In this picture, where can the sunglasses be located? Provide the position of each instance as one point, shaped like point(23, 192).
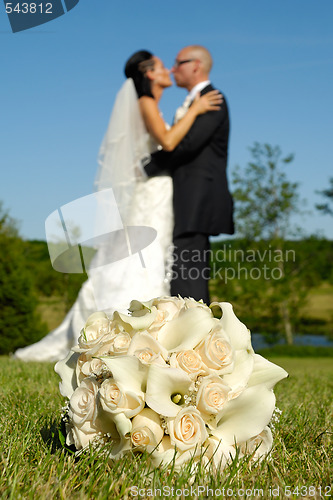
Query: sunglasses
point(179, 63)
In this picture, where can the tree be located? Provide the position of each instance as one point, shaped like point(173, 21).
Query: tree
point(19, 323)
point(265, 202)
point(265, 199)
point(327, 193)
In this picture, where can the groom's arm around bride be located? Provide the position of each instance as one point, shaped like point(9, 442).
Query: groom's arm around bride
point(202, 203)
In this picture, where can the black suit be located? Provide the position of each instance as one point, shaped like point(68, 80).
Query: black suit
point(202, 203)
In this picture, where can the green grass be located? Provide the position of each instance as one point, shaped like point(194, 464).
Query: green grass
point(320, 302)
point(33, 464)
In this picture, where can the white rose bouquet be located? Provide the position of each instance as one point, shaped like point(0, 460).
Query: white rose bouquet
point(171, 379)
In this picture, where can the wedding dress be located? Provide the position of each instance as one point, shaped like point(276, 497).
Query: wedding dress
point(141, 202)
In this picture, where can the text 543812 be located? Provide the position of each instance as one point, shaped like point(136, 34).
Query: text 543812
point(28, 8)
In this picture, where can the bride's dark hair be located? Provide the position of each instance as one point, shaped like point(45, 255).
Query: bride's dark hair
point(136, 68)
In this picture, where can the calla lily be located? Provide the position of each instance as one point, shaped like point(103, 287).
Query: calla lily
point(239, 335)
point(238, 379)
point(119, 447)
point(128, 372)
point(187, 330)
point(66, 369)
point(265, 372)
point(142, 322)
point(245, 416)
point(137, 305)
point(163, 384)
point(123, 424)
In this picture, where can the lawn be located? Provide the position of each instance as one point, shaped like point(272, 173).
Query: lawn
point(33, 464)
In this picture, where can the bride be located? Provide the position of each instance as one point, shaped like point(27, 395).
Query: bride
point(136, 129)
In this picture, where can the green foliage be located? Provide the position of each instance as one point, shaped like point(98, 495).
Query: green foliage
point(34, 464)
point(327, 208)
point(297, 351)
point(264, 198)
point(47, 281)
point(265, 202)
point(265, 280)
point(19, 323)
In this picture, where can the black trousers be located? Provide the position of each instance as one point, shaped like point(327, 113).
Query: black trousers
point(191, 269)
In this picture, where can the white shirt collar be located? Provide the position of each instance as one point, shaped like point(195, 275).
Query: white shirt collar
point(198, 88)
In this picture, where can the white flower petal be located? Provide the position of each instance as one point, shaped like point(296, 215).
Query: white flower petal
point(219, 453)
point(265, 372)
point(123, 424)
point(259, 445)
point(239, 335)
point(142, 340)
point(187, 330)
point(245, 416)
point(137, 305)
point(238, 378)
point(66, 369)
point(97, 318)
point(128, 372)
point(162, 383)
point(142, 322)
point(164, 454)
point(149, 419)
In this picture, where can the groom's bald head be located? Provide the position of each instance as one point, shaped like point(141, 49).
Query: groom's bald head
point(203, 55)
point(192, 65)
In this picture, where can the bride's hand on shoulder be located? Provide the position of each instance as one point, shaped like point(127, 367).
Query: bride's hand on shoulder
point(211, 101)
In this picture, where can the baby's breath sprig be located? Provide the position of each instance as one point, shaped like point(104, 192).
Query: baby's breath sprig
point(275, 418)
point(164, 424)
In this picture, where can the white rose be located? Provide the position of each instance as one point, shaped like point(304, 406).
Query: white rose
point(147, 356)
point(83, 414)
point(259, 445)
point(216, 352)
point(115, 400)
point(147, 349)
point(187, 430)
point(100, 319)
point(218, 453)
point(189, 361)
point(170, 306)
point(147, 432)
point(96, 328)
point(211, 397)
point(112, 344)
point(120, 343)
point(87, 365)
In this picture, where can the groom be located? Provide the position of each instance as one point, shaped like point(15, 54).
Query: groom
point(202, 203)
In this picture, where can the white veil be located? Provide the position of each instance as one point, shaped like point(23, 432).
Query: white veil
point(124, 149)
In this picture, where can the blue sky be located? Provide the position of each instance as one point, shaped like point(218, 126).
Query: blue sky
point(273, 61)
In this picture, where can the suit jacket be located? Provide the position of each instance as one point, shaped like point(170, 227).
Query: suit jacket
point(201, 200)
